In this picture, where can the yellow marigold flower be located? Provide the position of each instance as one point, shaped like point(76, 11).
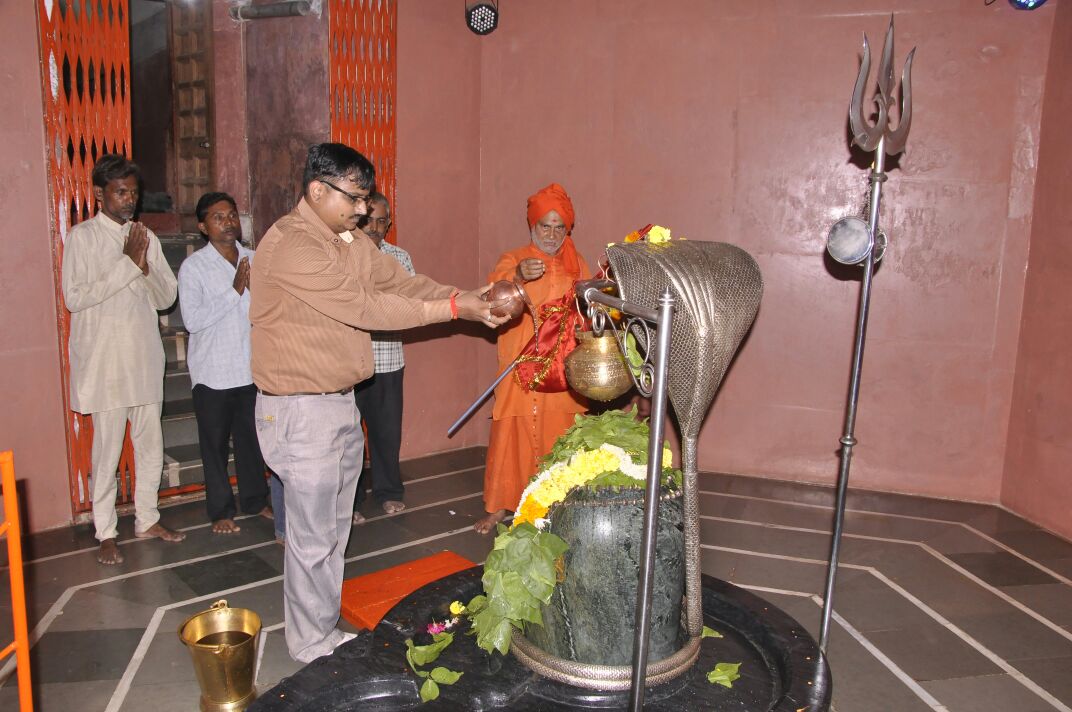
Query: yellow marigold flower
point(548, 494)
point(658, 234)
point(457, 608)
point(593, 462)
point(668, 458)
point(529, 511)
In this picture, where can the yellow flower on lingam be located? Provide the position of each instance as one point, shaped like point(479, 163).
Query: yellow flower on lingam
point(658, 234)
point(554, 483)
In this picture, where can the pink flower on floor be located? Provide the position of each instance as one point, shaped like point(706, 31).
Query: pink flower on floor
point(434, 627)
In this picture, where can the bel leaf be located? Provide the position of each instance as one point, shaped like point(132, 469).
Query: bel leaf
point(444, 676)
point(553, 543)
point(429, 690)
point(724, 674)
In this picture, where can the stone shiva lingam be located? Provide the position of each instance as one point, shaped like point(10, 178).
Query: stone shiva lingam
point(717, 289)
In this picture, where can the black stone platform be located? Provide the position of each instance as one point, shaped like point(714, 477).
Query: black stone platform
point(781, 669)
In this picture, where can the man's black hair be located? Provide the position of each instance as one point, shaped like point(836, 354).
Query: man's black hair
point(207, 200)
point(337, 161)
point(114, 166)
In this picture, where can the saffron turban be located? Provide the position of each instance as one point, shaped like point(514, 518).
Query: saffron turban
point(553, 197)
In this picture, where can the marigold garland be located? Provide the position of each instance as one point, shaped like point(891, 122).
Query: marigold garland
point(553, 483)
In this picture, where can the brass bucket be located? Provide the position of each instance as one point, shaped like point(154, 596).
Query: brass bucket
point(223, 645)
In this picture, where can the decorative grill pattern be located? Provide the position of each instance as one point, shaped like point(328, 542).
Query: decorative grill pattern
point(85, 67)
point(363, 35)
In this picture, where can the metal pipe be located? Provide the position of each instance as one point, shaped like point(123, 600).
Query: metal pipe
point(287, 8)
point(878, 177)
point(591, 294)
point(651, 497)
point(491, 389)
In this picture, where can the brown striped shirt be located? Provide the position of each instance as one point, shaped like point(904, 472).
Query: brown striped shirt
point(315, 297)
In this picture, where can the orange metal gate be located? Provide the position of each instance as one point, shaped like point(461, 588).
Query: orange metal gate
point(85, 68)
point(363, 35)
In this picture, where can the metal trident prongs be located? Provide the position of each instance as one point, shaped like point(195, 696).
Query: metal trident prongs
point(865, 134)
point(856, 245)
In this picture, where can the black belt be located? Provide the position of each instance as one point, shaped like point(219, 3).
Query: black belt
point(343, 392)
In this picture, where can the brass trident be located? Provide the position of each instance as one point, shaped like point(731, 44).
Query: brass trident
point(865, 134)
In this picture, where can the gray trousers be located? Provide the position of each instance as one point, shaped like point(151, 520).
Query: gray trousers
point(314, 444)
point(109, 427)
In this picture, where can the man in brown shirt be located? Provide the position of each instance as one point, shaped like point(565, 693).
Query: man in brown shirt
point(317, 289)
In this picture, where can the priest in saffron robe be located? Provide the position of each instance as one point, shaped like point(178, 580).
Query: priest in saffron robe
point(525, 423)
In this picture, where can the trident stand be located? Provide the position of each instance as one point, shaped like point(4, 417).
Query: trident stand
point(883, 140)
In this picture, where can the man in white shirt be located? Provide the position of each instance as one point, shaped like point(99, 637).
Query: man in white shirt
point(115, 278)
point(214, 297)
point(379, 399)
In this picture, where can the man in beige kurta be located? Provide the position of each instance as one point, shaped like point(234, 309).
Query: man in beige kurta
point(115, 278)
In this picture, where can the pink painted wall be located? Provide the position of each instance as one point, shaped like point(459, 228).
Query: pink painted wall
point(31, 414)
point(1039, 451)
point(724, 121)
point(437, 213)
point(727, 121)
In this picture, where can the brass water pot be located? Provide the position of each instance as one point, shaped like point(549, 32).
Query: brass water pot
point(596, 368)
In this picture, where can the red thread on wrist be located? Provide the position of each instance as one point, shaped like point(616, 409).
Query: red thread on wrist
point(453, 306)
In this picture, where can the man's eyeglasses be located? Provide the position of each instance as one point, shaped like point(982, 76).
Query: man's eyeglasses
point(558, 230)
point(354, 198)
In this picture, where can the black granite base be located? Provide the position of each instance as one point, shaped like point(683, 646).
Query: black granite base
point(781, 669)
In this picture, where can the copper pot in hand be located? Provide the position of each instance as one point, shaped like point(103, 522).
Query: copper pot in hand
point(507, 289)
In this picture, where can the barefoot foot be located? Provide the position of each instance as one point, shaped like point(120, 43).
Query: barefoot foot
point(225, 526)
point(108, 553)
point(487, 524)
point(267, 513)
point(159, 531)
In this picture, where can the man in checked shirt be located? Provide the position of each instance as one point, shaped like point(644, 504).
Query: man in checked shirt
point(380, 398)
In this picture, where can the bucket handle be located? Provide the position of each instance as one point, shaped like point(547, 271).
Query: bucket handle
point(222, 648)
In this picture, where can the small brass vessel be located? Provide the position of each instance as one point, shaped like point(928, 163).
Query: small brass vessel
point(596, 368)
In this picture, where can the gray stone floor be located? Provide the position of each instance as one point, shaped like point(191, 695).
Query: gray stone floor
point(939, 605)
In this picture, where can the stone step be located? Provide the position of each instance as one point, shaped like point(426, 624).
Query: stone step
point(177, 248)
point(178, 423)
point(174, 346)
point(182, 465)
point(177, 384)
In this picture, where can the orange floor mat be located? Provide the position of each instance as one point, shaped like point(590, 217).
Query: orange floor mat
point(366, 599)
